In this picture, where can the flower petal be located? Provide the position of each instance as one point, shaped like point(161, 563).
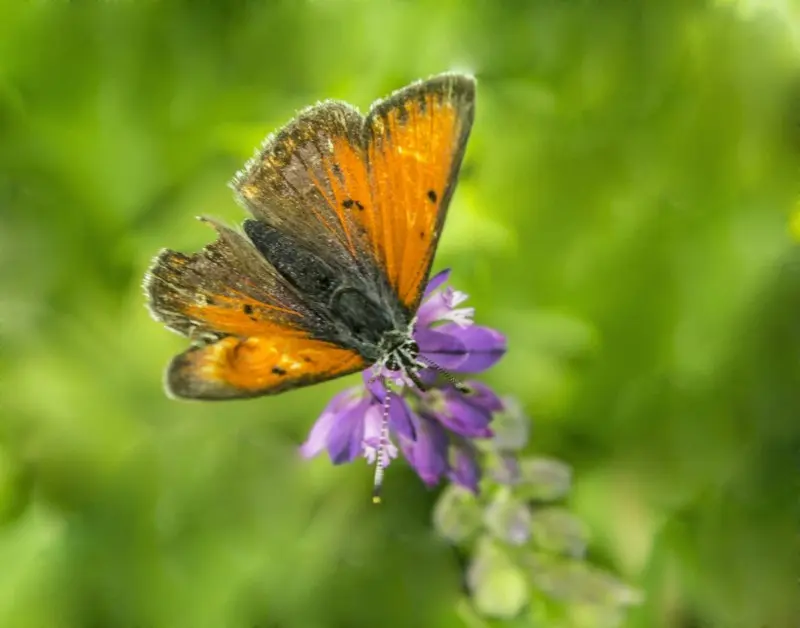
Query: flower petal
point(483, 396)
point(399, 412)
point(427, 376)
point(373, 420)
point(400, 418)
point(465, 418)
point(374, 384)
point(318, 437)
point(454, 297)
point(345, 439)
point(436, 281)
point(465, 470)
point(400, 422)
point(484, 346)
point(433, 309)
point(445, 350)
point(428, 454)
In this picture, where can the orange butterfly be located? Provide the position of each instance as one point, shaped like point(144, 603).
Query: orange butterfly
point(326, 277)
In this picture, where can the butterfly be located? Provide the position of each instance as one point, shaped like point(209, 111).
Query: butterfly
point(325, 276)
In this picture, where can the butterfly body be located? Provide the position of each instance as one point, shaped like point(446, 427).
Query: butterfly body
point(351, 313)
point(326, 276)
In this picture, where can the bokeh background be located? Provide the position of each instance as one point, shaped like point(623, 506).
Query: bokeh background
point(624, 215)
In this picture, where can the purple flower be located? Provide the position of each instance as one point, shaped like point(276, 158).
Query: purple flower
point(433, 428)
point(464, 467)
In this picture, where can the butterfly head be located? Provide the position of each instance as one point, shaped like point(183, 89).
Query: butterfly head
point(400, 351)
point(401, 354)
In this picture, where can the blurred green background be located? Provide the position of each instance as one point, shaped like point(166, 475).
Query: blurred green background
point(624, 216)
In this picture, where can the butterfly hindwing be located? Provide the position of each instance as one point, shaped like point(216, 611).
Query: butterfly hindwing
point(256, 334)
point(236, 368)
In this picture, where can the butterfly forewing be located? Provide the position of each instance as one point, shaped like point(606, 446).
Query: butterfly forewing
point(310, 181)
point(415, 144)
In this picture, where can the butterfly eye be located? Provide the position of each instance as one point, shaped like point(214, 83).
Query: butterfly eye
point(392, 364)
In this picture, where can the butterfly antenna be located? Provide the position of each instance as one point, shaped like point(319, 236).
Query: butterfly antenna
point(383, 440)
point(460, 386)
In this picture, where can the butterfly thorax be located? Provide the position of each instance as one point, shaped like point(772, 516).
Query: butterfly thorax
point(400, 351)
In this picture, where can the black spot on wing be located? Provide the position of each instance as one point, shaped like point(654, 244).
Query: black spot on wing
point(349, 203)
point(432, 196)
point(248, 310)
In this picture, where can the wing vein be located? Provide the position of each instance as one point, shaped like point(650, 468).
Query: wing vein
point(316, 213)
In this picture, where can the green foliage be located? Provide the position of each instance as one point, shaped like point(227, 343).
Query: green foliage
point(623, 216)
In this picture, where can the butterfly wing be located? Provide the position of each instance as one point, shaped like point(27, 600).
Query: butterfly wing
point(256, 336)
point(310, 182)
point(370, 195)
point(239, 368)
point(415, 142)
